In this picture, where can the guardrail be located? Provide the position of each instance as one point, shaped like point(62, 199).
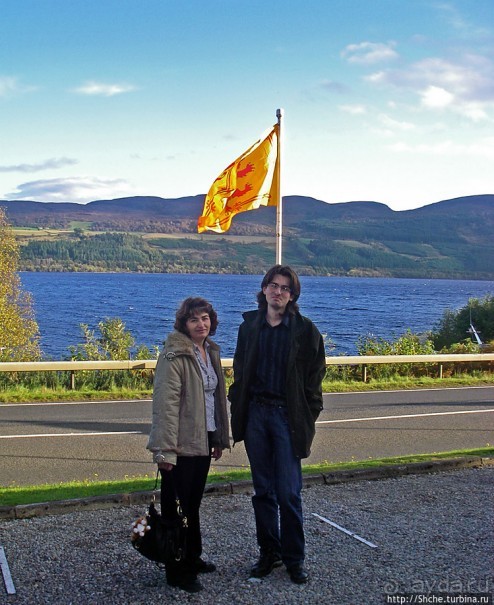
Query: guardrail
point(149, 364)
point(439, 359)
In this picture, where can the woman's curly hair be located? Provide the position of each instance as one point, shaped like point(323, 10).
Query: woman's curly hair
point(192, 306)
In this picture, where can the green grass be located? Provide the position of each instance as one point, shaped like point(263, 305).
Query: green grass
point(405, 383)
point(13, 495)
point(22, 394)
point(32, 494)
point(80, 225)
point(44, 394)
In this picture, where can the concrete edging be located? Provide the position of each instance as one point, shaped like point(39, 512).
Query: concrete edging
point(60, 507)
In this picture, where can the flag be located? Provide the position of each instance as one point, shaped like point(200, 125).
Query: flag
point(249, 182)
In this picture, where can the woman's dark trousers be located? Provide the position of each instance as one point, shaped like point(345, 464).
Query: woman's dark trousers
point(188, 478)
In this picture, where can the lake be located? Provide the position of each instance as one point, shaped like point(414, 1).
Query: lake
point(343, 308)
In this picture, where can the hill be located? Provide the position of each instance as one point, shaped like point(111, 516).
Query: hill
point(448, 239)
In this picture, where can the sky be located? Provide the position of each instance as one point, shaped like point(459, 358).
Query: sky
point(384, 100)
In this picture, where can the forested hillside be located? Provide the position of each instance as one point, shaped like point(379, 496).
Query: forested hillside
point(449, 239)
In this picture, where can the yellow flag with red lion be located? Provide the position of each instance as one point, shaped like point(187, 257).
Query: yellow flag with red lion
point(247, 183)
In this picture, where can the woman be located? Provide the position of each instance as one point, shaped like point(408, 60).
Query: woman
point(190, 425)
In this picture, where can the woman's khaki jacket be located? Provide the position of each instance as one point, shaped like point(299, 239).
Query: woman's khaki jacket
point(179, 407)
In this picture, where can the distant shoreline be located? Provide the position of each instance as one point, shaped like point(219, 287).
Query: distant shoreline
point(451, 239)
point(301, 274)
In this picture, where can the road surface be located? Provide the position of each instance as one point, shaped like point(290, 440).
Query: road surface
point(51, 443)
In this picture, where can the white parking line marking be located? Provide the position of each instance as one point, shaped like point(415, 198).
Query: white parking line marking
point(71, 434)
point(52, 403)
point(346, 531)
point(7, 578)
point(404, 416)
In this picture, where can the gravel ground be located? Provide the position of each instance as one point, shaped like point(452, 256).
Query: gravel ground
point(434, 534)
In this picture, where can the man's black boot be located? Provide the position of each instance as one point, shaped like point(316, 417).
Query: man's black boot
point(267, 562)
point(298, 574)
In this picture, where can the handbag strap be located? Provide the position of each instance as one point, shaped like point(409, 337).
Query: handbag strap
point(157, 479)
point(155, 488)
point(174, 488)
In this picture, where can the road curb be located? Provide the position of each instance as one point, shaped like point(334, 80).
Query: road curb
point(60, 507)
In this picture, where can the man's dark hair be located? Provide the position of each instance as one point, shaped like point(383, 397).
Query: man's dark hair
point(286, 271)
point(192, 306)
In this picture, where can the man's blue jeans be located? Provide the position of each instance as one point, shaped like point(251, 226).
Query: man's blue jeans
point(277, 477)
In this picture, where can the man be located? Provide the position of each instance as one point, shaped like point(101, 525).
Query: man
point(276, 397)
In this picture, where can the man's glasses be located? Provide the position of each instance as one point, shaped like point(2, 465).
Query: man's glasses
point(273, 286)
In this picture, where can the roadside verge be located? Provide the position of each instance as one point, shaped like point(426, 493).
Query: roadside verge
point(59, 507)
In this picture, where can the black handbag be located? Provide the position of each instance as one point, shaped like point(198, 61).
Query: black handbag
point(158, 538)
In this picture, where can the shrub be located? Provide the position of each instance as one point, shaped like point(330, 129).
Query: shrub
point(455, 325)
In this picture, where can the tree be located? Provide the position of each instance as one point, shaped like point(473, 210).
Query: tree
point(454, 327)
point(19, 333)
point(115, 342)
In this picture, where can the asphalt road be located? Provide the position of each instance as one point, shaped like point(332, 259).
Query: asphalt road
point(51, 443)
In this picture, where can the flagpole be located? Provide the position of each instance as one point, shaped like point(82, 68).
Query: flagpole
point(279, 202)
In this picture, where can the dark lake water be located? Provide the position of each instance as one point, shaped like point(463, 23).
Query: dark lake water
point(342, 308)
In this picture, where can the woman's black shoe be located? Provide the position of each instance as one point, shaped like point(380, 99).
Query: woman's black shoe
point(187, 585)
point(201, 566)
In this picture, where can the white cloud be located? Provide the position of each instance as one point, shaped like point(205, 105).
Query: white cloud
point(475, 112)
point(395, 124)
point(353, 109)
point(379, 77)
point(10, 85)
point(368, 53)
point(481, 149)
point(465, 87)
point(103, 90)
point(7, 85)
point(332, 86)
point(464, 27)
point(435, 96)
point(51, 163)
point(71, 189)
point(452, 15)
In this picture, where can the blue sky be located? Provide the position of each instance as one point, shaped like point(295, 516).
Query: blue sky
point(384, 100)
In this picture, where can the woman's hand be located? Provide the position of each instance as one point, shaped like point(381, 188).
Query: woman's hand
point(216, 453)
point(165, 466)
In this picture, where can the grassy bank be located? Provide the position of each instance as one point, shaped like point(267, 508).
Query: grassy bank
point(22, 394)
point(13, 495)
